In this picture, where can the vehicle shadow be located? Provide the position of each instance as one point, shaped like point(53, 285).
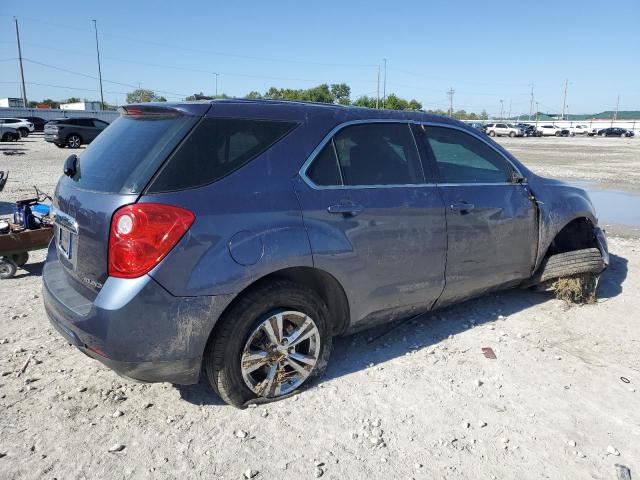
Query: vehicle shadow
point(383, 343)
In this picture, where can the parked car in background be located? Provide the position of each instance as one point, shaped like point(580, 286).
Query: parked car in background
point(235, 238)
point(23, 126)
point(38, 123)
point(73, 132)
point(579, 130)
point(9, 134)
point(615, 132)
point(501, 129)
point(529, 130)
point(551, 130)
point(479, 126)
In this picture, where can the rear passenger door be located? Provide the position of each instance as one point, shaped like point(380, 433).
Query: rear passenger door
point(492, 224)
point(374, 221)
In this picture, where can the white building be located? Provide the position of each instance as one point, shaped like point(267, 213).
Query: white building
point(92, 106)
point(11, 103)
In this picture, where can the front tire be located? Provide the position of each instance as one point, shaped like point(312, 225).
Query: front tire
point(512, 134)
point(272, 341)
point(24, 132)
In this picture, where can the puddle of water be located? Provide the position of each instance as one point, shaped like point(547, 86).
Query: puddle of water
point(614, 207)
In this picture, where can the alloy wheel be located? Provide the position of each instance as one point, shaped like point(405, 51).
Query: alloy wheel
point(74, 141)
point(280, 354)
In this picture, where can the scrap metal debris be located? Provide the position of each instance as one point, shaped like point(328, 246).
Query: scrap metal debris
point(24, 367)
point(489, 353)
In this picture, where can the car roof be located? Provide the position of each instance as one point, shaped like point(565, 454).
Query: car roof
point(296, 108)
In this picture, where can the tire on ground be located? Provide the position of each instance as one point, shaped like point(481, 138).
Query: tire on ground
point(222, 358)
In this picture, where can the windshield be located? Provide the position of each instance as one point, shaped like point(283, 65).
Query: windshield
point(128, 152)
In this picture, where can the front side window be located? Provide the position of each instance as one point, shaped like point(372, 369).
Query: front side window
point(462, 158)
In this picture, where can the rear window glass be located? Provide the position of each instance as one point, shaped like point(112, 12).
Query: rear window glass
point(125, 155)
point(216, 148)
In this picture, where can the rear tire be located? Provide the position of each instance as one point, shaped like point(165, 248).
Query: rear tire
point(230, 341)
point(492, 133)
point(7, 268)
point(74, 141)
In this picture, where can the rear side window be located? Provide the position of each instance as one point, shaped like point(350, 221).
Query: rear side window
point(124, 157)
point(216, 148)
point(378, 154)
point(324, 170)
point(462, 158)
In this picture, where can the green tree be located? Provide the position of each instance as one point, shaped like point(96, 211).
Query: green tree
point(253, 95)
point(365, 101)
point(72, 100)
point(341, 93)
point(141, 96)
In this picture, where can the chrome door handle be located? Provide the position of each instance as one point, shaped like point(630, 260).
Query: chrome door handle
point(346, 209)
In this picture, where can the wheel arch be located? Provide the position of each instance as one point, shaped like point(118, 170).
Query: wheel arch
point(66, 138)
point(322, 282)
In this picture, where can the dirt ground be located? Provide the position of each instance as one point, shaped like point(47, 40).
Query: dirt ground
point(560, 401)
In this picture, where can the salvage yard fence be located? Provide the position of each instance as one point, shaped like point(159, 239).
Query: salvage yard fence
point(50, 114)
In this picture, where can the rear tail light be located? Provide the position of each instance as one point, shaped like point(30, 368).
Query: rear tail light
point(142, 234)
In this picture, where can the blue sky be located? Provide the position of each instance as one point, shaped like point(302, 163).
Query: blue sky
point(485, 50)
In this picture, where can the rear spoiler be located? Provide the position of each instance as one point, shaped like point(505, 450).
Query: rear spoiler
point(164, 109)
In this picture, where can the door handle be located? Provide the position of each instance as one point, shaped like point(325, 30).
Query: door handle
point(346, 209)
point(462, 207)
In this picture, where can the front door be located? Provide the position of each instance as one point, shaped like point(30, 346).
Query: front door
point(374, 222)
point(492, 224)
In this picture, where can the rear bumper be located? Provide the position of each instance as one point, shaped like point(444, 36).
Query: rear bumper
point(133, 326)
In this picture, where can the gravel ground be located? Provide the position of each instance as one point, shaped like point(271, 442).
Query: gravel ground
point(412, 400)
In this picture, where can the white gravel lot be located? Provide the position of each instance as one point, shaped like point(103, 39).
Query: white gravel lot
point(553, 404)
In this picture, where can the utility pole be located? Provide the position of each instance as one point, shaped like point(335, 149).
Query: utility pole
point(564, 99)
point(378, 91)
point(537, 110)
point(450, 93)
point(24, 90)
point(615, 116)
point(501, 110)
point(509, 116)
point(216, 74)
point(95, 27)
point(531, 104)
point(384, 84)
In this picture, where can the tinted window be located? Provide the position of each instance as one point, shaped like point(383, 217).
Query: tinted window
point(100, 124)
point(84, 122)
point(217, 147)
point(378, 154)
point(125, 156)
point(324, 169)
point(462, 158)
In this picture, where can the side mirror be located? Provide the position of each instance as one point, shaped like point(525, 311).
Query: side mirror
point(71, 165)
point(517, 178)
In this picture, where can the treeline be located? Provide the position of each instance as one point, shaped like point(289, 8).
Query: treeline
point(336, 93)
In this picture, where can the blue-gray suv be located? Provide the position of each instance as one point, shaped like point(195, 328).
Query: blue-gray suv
point(236, 238)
